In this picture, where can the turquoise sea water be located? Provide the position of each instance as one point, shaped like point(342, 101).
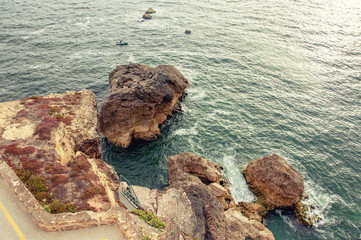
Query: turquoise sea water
point(271, 76)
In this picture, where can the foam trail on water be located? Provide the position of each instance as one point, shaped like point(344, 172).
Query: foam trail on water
point(185, 132)
point(236, 181)
point(319, 203)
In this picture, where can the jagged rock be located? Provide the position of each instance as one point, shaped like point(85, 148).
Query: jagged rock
point(278, 182)
point(240, 227)
point(253, 211)
point(56, 137)
point(141, 99)
point(196, 165)
point(190, 204)
point(217, 189)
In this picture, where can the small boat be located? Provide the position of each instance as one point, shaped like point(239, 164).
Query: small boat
point(121, 43)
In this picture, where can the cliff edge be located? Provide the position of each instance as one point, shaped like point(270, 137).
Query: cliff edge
point(52, 144)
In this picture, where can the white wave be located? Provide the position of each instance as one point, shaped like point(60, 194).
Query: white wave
point(40, 31)
point(237, 183)
point(187, 131)
point(39, 66)
point(319, 203)
point(196, 94)
point(223, 112)
point(287, 218)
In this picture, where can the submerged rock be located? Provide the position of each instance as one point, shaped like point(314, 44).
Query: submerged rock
point(141, 98)
point(191, 203)
point(55, 137)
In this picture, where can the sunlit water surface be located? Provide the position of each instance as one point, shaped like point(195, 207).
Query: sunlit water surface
point(266, 77)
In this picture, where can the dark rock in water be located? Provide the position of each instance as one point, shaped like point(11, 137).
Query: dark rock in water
point(141, 98)
point(150, 11)
point(187, 31)
point(147, 16)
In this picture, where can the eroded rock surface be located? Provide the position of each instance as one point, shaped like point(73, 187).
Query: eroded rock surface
point(141, 98)
point(279, 183)
point(56, 137)
point(192, 206)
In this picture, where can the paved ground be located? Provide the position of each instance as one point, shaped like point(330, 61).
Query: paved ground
point(17, 224)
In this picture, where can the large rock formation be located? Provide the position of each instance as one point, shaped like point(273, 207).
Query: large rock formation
point(277, 181)
point(192, 206)
point(55, 137)
point(140, 99)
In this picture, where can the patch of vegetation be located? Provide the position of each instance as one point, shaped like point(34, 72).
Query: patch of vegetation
point(58, 206)
point(36, 185)
point(33, 166)
point(57, 179)
point(188, 235)
point(53, 110)
point(146, 237)
point(13, 150)
point(54, 168)
point(91, 191)
point(149, 218)
point(45, 127)
point(80, 163)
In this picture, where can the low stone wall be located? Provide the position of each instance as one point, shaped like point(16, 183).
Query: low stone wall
point(67, 221)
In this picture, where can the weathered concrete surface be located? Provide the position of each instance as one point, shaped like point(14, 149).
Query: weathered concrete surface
point(28, 228)
point(68, 221)
point(141, 98)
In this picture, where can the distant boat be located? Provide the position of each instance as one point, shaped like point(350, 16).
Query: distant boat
point(121, 43)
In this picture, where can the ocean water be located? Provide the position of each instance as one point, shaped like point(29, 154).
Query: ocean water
point(271, 76)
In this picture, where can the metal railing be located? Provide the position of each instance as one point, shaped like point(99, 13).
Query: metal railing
point(128, 192)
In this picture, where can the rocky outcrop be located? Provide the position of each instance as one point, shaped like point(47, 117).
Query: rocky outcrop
point(192, 206)
point(279, 183)
point(55, 137)
point(148, 13)
point(141, 98)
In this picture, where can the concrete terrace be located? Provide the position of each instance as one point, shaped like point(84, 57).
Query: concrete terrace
point(21, 217)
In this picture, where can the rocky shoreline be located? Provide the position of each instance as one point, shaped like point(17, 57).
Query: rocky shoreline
point(55, 141)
